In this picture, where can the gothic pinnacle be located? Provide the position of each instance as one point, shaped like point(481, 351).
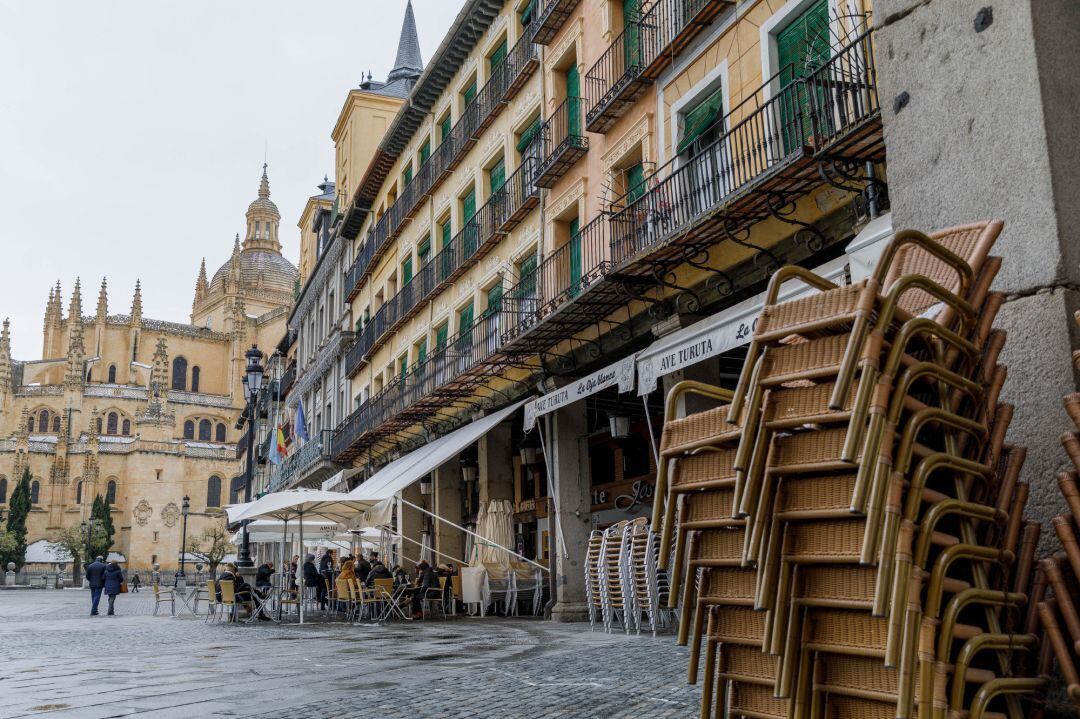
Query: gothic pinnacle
point(103, 301)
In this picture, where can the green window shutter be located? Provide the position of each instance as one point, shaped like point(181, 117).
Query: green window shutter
point(701, 118)
point(468, 205)
point(528, 135)
point(465, 317)
point(406, 272)
point(528, 13)
point(446, 234)
point(403, 366)
point(444, 128)
point(440, 337)
point(406, 177)
point(575, 258)
point(470, 93)
point(494, 299)
point(425, 151)
point(527, 277)
point(498, 56)
point(470, 236)
point(632, 32)
point(497, 176)
point(801, 48)
point(421, 352)
point(635, 182)
point(367, 315)
point(573, 93)
point(423, 250)
point(446, 264)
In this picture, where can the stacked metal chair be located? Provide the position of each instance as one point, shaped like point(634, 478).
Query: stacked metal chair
point(851, 523)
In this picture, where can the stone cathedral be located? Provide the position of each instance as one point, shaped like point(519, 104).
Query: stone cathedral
point(143, 410)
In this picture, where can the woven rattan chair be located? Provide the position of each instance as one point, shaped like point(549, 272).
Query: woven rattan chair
point(614, 590)
point(593, 593)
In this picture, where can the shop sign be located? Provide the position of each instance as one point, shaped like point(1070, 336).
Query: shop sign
point(621, 373)
point(626, 495)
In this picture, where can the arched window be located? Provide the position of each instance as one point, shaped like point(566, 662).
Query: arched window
point(35, 491)
point(110, 425)
point(179, 373)
point(195, 378)
point(78, 492)
point(204, 429)
point(43, 421)
point(98, 425)
point(110, 492)
point(126, 428)
point(213, 492)
point(112, 374)
point(30, 423)
point(189, 430)
point(89, 374)
point(3, 490)
point(56, 423)
point(219, 435)
point(235, 486)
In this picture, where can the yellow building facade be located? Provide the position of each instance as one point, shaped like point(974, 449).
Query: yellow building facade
point(139, 410)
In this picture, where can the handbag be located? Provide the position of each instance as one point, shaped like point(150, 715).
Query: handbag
point(123, 587)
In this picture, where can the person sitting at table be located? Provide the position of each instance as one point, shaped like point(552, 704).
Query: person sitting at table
point(426, 579)
point(348, 568)
point(379, 571)
point(244, 593)
point(362, 567)
point(312, 578)
point(447, 571)
point(262, 577)
point(400, 575)
point(292, 571)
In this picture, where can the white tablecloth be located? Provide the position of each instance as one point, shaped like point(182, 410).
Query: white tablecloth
point(474, 585)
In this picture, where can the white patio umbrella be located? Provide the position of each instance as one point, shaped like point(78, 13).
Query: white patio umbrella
point(495, 523)
point(295, 503)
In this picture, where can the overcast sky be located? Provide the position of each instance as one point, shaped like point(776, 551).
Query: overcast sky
point(132, 135)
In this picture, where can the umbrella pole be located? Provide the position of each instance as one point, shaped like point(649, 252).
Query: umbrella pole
point(300, 568)
point(281, 595)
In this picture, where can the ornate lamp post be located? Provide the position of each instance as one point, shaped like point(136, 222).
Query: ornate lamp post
point(253, 383)
point(184, 509)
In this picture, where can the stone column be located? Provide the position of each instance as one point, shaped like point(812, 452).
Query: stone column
point(979, 105)
point(569, 450)
point(448, 505)
point(496, 464)
point(411, 524)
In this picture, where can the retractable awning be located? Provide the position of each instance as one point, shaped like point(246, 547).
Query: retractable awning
point(402, 472)
point(620, 373)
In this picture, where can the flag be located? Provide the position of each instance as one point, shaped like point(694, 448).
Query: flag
point(300, 429)
point(278, 450)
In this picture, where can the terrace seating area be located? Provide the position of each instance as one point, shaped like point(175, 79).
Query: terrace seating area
point(621, 582)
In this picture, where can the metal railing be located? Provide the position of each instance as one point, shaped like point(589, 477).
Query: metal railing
point(318, 449)
point(563, 131)
point(463, 352)
point(496, 216)
point(551, 19)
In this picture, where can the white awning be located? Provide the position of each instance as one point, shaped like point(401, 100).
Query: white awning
point(402, 472)
point(338, 482)
point(727, 329)
point(620, 373)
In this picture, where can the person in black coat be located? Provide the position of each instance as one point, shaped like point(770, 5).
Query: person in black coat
point(361, 567)
point(263, 577)
point(426, 579)
point(242, 591)
point(95, 579)
point(114, 577)
point(379, 571)
point(312, 578)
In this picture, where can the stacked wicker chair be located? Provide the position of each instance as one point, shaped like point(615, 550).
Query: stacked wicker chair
point(622, 584)
point(848, 527)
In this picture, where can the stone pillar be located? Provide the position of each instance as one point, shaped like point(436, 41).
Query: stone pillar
point(496, 464)
point(411, 524)
point(448, 505)
point(571, 487)
point(979, 106)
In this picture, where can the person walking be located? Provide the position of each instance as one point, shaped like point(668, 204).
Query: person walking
point(136, 582)
point(114, 577)
point(95, 579)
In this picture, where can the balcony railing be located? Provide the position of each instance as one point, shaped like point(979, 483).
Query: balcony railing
point(506, 207)
point(767, 144)
point(635, 58)
point(551, 20)
point(562, 141)
point(464, 352)
point(292, 469)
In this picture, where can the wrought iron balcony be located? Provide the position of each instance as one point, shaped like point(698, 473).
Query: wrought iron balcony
point(451, 372)
point(307, 466)
point(503, 211)
point(551, 20)
point(562, 141)
point(287, 379)
point(647, 45)
point(756, 162)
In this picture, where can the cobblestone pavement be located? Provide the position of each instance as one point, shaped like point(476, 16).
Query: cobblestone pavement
point(58, 662)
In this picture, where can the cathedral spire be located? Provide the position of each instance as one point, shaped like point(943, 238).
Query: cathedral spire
point(202, 287)
point(75, 308)
point(103, 302)
point(136, 305)
point(5, 361)
point(263, 219)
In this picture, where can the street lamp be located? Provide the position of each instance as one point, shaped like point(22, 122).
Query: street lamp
point(184, 508)
point(253, 383)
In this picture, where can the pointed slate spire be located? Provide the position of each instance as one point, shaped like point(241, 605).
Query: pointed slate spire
point(103, 301)
point(409, 64)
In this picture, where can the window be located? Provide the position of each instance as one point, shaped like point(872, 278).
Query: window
point(526, 271)
point(528, 13)
point(469, 93)
point(465, 322)
point(219, 433)
point(112, 374)
point(406, 176)
point(125, 428)
point(421, 352)
point(30, 423)
point(471, 236)
point(204, 429)
point(189, 430)
point(56, 423)
point(213, 491)
point(195, 378)
point(575, 258)
point(699, 126)
point(78, 492)
point(425, 151)
point(444, 128)
point(494, 299)
point(111, 424)
point(406, 272)
point(635, 182)
point(525, 139)
point(423, 251)
point(3, 490)
point(573, 94)
point(496, 176)
point(446, 259)
point(179, 373)
point(801, 48)
point(497, 56)
point(440, 336)
point(43, 421)
point(110, 492)
point(236, 485)
point(35, 492)
point(403, 366)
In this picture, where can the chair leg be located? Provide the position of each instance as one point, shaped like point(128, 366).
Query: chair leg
point(710, 676)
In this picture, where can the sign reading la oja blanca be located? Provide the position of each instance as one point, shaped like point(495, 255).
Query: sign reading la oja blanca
point(621, 373)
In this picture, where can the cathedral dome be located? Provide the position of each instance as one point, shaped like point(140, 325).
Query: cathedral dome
point(260, 271)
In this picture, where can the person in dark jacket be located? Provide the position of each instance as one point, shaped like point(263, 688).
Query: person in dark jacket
point(242, 591)
point(379, 571)
point(136, 582)
point(114, 577)
point(263, 577)
point(312, 578)
point(426, 579)
point(95, 579)
point(361, 567)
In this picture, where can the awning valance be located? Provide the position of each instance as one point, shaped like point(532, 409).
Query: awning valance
point(620, 373)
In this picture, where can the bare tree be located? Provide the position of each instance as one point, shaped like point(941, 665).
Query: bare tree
point(212, 547)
